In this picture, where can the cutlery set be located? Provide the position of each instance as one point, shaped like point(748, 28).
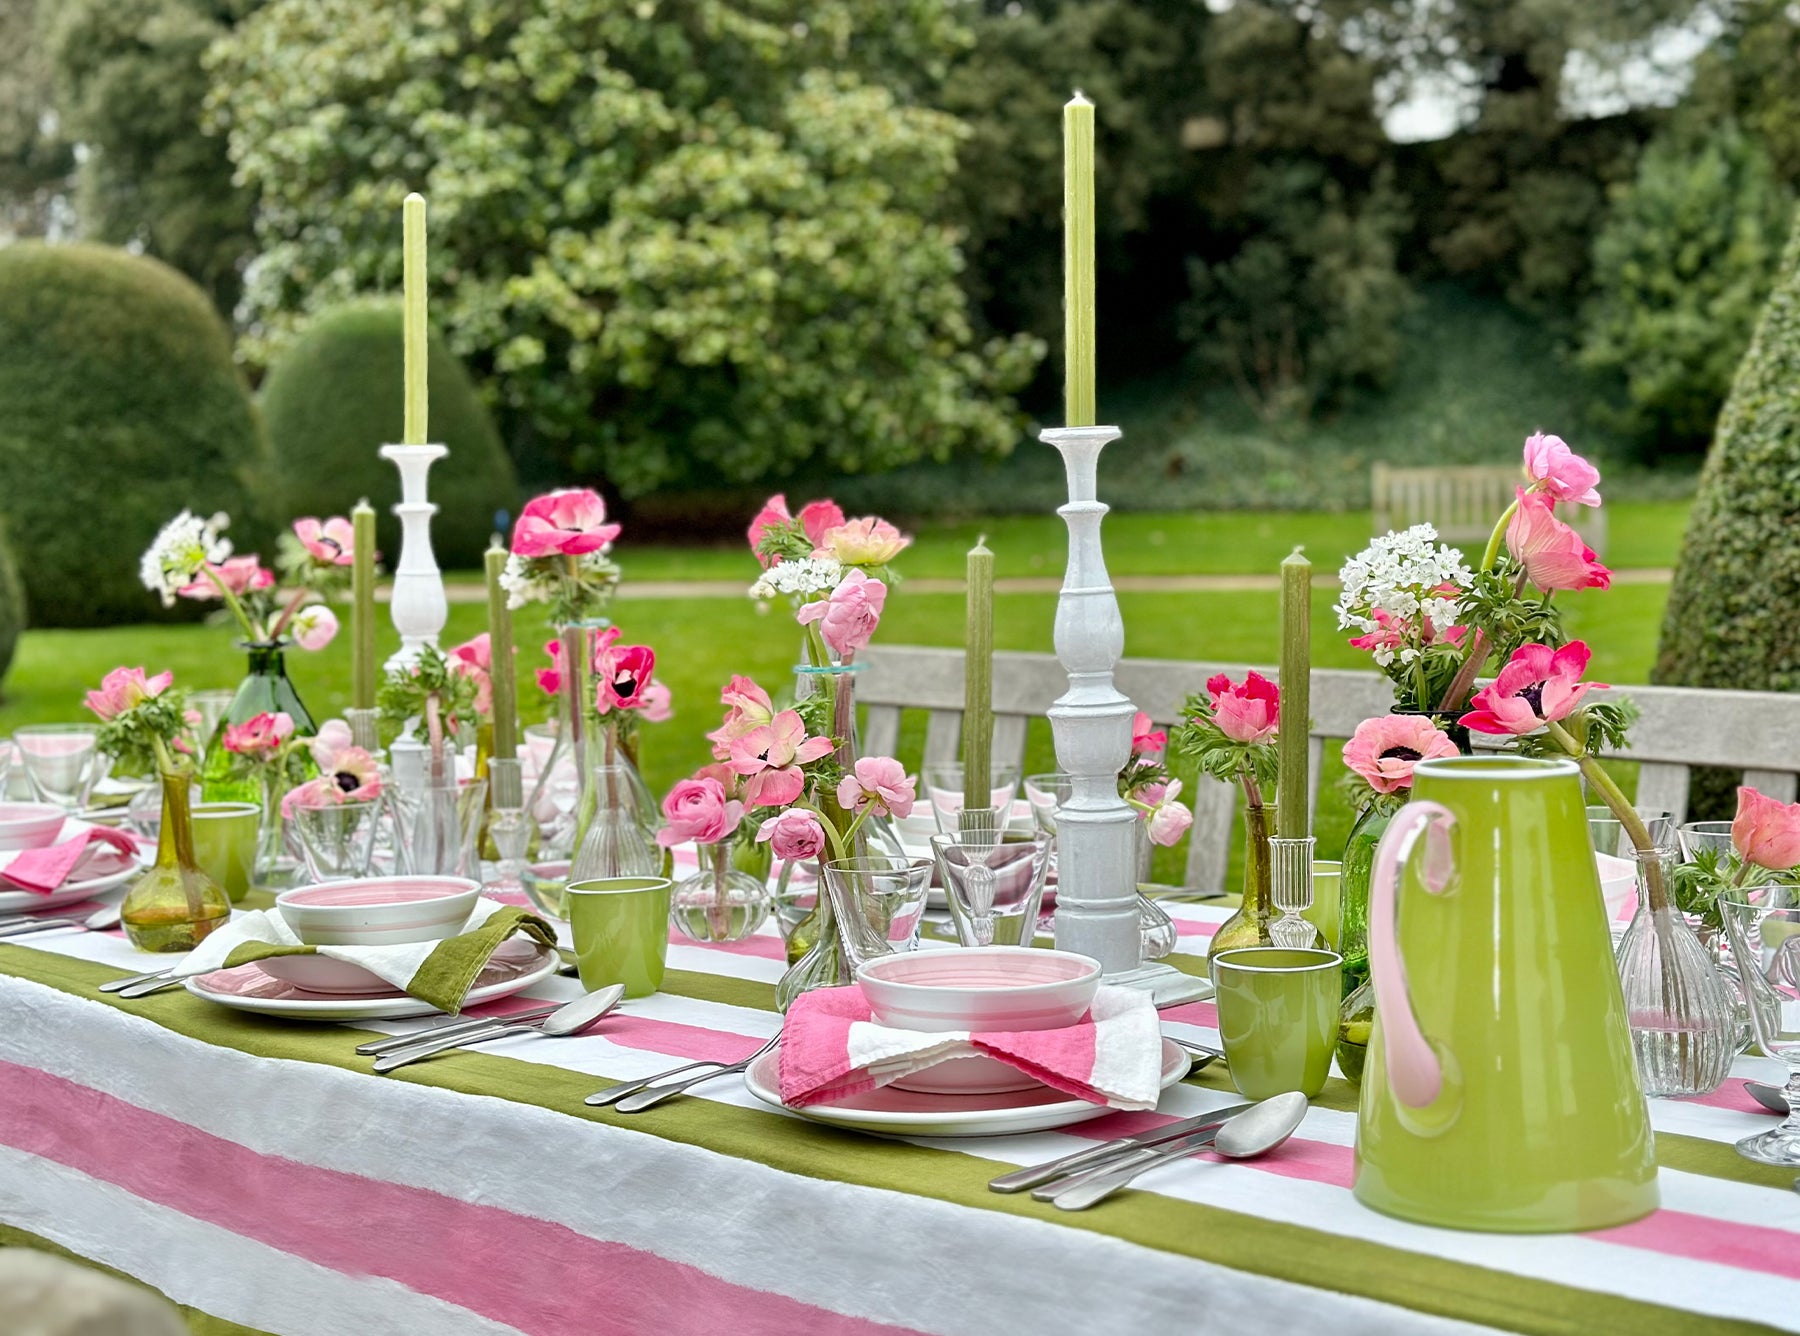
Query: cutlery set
point(23, 924)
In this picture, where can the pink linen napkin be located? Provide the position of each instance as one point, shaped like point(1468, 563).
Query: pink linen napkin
point(832, 1049)
point(97, 851)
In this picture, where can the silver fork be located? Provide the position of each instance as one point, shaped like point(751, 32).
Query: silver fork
point(656, 1094)
point(615, 1094)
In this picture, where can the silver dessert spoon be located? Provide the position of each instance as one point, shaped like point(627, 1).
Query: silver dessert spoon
point(1771, 1097)
point(569, 1019)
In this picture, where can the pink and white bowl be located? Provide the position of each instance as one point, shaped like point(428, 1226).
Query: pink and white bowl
point(379, 911)
point(29, 825)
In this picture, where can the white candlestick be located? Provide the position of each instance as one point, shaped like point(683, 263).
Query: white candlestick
point(419, 608)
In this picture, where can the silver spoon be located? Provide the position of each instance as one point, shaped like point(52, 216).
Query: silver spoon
point(1255, 1131)
point(569, 1019)
point(107, 916)
point(1771, 1097)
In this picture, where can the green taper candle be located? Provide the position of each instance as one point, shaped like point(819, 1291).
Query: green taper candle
point(978, 680)
point(413, 312)
point(502, 672)
point(1078, 263)
point(362, 607)
point(1291, 821)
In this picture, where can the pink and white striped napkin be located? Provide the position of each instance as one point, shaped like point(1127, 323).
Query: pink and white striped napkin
point(82, 852)
point(831, 1049)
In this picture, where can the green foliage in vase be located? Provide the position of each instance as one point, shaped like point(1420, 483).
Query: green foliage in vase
point(333, 399)
point(1681, 270)
point(119, 406)
point(688, 242)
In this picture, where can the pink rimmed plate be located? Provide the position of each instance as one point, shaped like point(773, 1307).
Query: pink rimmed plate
point(905, 1113)
point(517, 965)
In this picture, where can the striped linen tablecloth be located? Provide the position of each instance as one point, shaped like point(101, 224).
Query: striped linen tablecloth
point(258, 1174)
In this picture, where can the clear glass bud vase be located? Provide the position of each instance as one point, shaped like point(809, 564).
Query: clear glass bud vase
point(612, 837)
point(1683, 1019)
point(720, 902)
point(175, 904)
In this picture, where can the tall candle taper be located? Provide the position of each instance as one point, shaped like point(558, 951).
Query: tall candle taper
point(978, 680)
point(362, 607)
point(1291, 820)
point(413, 308)
point(1078, 263)
point(502, 672)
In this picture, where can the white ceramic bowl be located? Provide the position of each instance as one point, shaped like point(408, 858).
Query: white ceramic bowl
point(1618, 883)
point(29, 825)
point(378, 911)
point(980, 988)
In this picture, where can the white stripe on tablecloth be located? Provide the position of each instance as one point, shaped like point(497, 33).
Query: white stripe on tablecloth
point(214, 1269)
point(836, 1245)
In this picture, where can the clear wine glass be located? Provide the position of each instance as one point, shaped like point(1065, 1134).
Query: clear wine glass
point(1763, 924)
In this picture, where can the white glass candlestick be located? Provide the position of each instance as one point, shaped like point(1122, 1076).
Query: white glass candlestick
point(419, 608)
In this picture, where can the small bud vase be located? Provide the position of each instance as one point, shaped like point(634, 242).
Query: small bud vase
point(266, 689)
point(1250, 925)
point(719, 903)
point(175, 904)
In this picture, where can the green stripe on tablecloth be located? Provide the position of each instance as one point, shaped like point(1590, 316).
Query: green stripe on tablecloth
point(1248, 1243)
point(199, 1323)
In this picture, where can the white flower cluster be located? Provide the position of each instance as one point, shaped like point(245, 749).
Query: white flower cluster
point(807, 575)
point(1403, 575)
point(184, 545)
point(540, 579)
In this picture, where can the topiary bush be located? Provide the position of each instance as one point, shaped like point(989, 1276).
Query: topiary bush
point(334, 399)
point(12, 606)
point(119, 405)
point(1730, 621)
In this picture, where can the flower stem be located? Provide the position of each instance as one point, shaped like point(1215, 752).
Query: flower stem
point(1492, 552)
point(232, 602)
point(1456, 695)
point(287, 613)
point(1614, 797)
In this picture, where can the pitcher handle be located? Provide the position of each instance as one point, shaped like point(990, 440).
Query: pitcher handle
point(1413, 1069)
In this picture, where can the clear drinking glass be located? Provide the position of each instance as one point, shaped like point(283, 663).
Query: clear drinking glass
point(1698, 835)
point(507, 823)
point(1610, 836)
point(993, 889)
point(62, 762)
point(437, 827)
point(1683, 1021)
point(211, 707)
point(944, 790)
point(8, 755)
point(1046, 793)
point(877, 904)
point(1763, 923)
point(337, 842)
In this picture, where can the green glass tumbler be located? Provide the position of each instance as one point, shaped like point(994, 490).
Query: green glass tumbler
point(620, 927)
point(225, 836)
point(1278, 1010)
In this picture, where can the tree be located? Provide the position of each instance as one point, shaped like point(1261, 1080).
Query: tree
point(36, 160)
point(689, 244)
point(132, 87)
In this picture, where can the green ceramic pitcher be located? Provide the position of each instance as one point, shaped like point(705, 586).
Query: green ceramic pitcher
point(1500, 1091)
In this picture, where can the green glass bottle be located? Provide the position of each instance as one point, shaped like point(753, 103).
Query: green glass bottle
point(266, 689)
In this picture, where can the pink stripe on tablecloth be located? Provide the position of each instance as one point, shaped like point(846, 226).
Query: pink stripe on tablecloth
point(1731, 1095)
point(760, 946)
point(532, 1274)
point(695, 1042)
point(1193, 1013)
point(1194, 928)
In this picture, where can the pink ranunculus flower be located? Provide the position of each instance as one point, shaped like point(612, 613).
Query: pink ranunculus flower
point(881, 781)
point(1537, 686)
point(848, 617)
point(125, 689)
point(1147, 740)
point(1246, 711)
point(747, 707)
point(564, 523)
point(331, 741)
point(867, 541)
point(769, 759)
point(698, 811)
point(241, 575)
point(795, 835)
point(774, 511)
point(1167, 820)
point(1766, 831)
point(331, 541)
point(260, 736)
point(816, 519)
point(314, 626)
point(656, 706)
point(1559, 471)
point(1383, 750)
point(1553, 555)
point(474, 659)
point(819, 518)
point(621, 673)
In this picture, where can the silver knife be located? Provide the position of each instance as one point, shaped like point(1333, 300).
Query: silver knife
point(1020, 1179)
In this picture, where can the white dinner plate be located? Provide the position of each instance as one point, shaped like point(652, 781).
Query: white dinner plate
point(517, 965)
point(906, 1113)
point(69, 893)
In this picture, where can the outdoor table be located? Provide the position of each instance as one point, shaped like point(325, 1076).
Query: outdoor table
point(256, 1172)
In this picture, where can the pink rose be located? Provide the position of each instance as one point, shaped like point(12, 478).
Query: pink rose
point(474, 659)
point(1167, 819)
point(621, 673)
point(241, 575)
point(880, 781)
point(770, 757)
point(795, 835)
point(861, 542)
point(569, 522)
point(125, 689)
point(698, 811)
point(656, 705)
point(1537, 686)
point(1766, 831)
point(1553, 555)
point(1383, 750)
point(1147, 740)
point(314, 627)
point(1559, 471)
point(1246, 711)
point(848, 617)
point(261, 736)
point(819, 518)
point(331, 541)
point(747, 707)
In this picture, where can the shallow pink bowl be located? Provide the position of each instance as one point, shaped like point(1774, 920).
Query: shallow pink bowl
point(378, 911)
point(980, 988)
point(29, 825)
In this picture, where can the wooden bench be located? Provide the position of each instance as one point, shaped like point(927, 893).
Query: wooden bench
point(1463, 503)
point(1679, 728)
